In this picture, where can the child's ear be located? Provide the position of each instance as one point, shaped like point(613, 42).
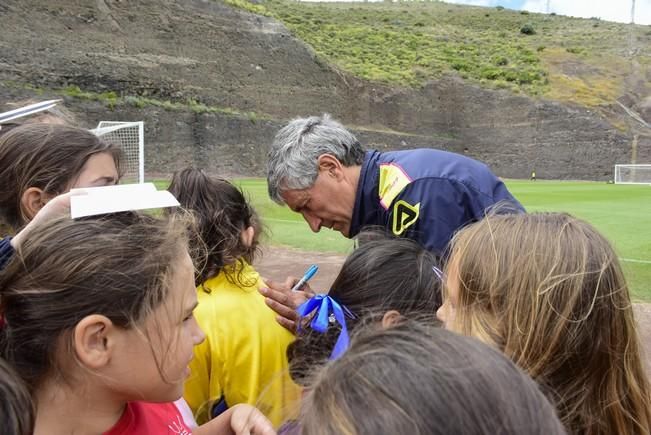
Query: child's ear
point(31, 201)
point(93, 341)
point(391, 318)
point(247, 236)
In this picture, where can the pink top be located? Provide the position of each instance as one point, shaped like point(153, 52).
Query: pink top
point(155, 418)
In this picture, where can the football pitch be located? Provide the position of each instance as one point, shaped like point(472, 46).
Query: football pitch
point(621, 212)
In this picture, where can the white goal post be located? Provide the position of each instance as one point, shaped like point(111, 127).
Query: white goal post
point(130, 136)
point(633, 174)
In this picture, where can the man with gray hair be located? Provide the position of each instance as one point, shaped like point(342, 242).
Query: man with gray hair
point(319, 169)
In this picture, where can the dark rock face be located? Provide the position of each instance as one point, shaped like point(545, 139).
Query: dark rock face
point(209, 52)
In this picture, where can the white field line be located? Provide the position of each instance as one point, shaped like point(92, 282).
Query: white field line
point(633, 260)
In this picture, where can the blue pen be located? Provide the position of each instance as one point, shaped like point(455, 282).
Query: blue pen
point(308, 275)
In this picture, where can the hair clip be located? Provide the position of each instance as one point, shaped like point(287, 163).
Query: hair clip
point(438, 272)
point(327, 311)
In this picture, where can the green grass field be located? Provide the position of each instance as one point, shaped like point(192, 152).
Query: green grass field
point(621, 212)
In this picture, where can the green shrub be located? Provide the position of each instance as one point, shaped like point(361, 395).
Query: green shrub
point(135, 101)
point(248, 6)
point(500, 61)
point(460, 66)
point(491, 73)
point(527, 29)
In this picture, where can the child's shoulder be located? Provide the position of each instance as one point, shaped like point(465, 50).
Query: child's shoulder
point(237, 279)
point(145, 417)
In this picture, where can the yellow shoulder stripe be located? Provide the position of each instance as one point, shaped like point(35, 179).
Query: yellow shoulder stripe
point(393, 180)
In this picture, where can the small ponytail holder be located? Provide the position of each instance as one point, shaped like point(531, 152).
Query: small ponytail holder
point(327, 310)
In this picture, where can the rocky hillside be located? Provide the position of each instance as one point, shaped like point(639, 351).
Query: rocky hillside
point(213, 83)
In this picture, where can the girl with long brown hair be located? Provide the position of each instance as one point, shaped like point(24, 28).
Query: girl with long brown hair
point(39, 162)
point(548, 290)
point(243, 357)
point(98, 323)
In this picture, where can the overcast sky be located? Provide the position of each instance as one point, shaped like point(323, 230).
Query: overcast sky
point(611, 10)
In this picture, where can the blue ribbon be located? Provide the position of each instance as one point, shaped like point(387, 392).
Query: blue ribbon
point(325, 306)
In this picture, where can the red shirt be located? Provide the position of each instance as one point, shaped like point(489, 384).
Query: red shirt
point(150, 418)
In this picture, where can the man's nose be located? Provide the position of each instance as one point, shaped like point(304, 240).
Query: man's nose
point(313, 221)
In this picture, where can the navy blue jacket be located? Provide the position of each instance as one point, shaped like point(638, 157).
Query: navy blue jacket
point(425, 195)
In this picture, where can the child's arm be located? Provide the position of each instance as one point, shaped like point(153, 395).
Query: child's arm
point(238, 420)
point(58, 206)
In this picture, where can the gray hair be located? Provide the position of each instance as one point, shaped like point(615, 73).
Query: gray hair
point(292, 159)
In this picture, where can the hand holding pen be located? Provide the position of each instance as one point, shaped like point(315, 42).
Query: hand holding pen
point(285, 297)
point(313, 269)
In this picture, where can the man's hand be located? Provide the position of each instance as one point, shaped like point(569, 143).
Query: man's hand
point(280, 298)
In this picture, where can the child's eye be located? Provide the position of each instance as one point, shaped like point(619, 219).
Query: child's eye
point(189, 317)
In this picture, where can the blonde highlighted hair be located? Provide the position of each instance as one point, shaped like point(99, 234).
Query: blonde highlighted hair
point(417, 379)
point(548, 290)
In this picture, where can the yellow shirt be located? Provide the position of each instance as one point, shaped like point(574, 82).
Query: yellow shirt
point(243, 357)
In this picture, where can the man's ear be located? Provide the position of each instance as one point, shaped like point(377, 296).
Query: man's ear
point(330, 165)
point(93, 341)
point(391, 318)
point(31, 201)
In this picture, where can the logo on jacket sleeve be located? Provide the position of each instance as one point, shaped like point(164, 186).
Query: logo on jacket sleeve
point(393, 180)
point(404, 216)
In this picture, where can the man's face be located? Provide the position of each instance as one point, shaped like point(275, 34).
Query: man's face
point(325, 204)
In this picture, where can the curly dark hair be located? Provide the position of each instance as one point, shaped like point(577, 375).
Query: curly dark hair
point(221, 213)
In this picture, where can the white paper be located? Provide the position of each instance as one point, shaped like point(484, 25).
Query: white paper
point(121, 197)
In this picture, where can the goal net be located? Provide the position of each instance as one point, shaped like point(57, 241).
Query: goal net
point(130, 136)
point(632, 174)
